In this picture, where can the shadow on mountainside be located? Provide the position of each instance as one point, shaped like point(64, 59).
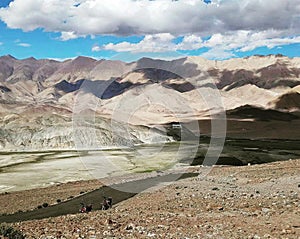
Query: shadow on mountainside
point(153, 71)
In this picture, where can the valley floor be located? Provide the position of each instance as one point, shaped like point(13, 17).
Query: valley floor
point(259, 201)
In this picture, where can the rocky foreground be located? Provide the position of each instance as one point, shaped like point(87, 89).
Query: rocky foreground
point(260, 201)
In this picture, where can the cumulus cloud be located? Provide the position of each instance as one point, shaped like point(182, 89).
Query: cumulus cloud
point(145, 17)
point(151, 43)
point(218, 54)
point(65, 36)
point(163, 42)
point(249, 40)
point(96, 48)
point(220, 45)
point(167, 25)
point(258, 40)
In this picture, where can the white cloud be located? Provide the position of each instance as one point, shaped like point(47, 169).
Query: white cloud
point(145, 17)
point(190, 42)
point(249, 40)
point(65, 36)
point(1, 43)
point(217, 54)
point(162, 42)
point(234, 25)
point(96, 48)
point(219, 44)
point(151, 43)
point(270, 43)
point(24, 44)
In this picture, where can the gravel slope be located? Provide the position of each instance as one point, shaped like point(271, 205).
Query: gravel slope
point(260, 201)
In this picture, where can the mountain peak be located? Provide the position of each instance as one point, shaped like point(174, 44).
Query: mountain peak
point(8, 57)
point(30, 59)
point(84, 58)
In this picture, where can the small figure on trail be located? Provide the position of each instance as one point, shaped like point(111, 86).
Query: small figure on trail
point(109, 201)
point(105, 204)
point(83, 208)
point(89, 208)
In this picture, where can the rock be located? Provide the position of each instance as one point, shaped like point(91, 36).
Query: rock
point(140, 229)
point(150, 234)
point(129, 227)
point(265, 210)
point(109, 221)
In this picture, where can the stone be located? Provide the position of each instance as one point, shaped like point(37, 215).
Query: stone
point(129, 227)
point(265, 210)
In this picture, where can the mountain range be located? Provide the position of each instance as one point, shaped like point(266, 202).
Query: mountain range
point(39, 99)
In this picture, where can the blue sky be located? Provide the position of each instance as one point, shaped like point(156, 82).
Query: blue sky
point(128, 30)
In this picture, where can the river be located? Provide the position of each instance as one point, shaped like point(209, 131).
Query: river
point(32, 169)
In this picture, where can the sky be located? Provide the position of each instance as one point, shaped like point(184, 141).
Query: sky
point(167, 29)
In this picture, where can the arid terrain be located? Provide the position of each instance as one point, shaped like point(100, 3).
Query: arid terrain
point(51, 109)
point(259, 201)
point(46, 104)
point(163, 119)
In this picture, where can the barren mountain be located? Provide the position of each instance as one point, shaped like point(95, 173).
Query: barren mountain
point(146, 92)
point(288, 101)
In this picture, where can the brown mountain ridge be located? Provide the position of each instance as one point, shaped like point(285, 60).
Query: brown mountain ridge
point(146, 92)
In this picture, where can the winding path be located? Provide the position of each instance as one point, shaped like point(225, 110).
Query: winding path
point(117, 192)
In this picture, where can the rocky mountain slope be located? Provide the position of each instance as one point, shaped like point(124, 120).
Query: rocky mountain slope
point(259, 201)
point(39, 99)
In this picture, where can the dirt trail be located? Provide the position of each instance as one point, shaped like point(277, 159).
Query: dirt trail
point(118, 192)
